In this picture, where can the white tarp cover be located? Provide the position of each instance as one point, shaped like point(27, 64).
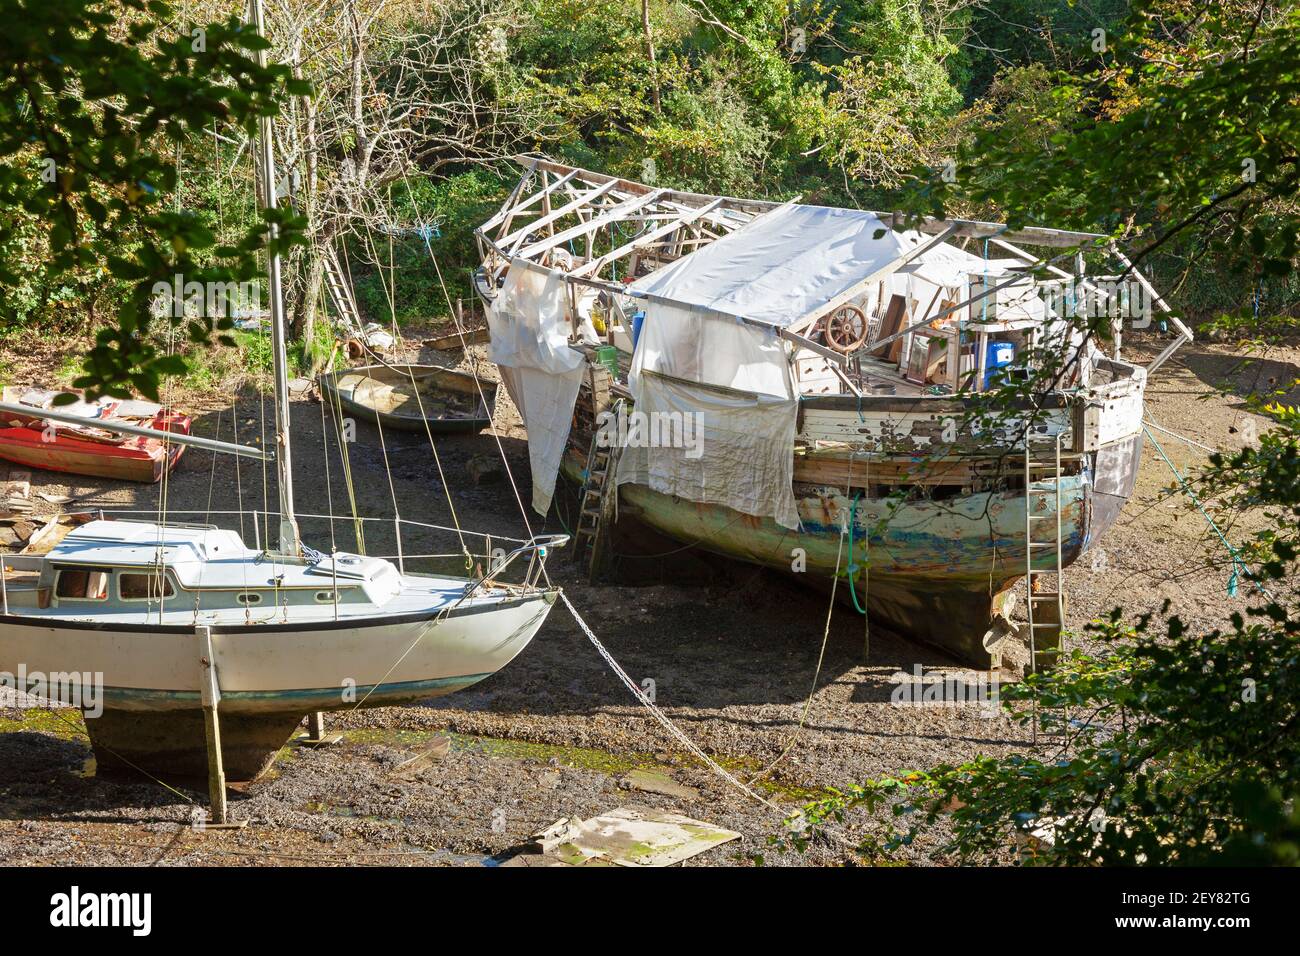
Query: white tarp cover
point(788, 262)
point(529, 335)
point(744, 459)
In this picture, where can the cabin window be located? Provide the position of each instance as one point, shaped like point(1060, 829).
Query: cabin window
point(144, 587)
point(82, 584)
point(324, 597)
point(249, 598)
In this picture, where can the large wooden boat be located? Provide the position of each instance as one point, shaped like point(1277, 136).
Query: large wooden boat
point(921, 473)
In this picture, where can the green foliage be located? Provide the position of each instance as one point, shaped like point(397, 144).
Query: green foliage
point(888, 107)
point(1180, 747)
point(451, 208)
point(708, 139)
point(94, 99)
point(1054, 33)
point(1127, 149)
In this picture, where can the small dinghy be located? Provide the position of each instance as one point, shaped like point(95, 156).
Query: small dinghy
point(86, 448)
point(413, 397)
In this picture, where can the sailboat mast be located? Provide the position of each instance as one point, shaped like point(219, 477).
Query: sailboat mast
point(290, 542)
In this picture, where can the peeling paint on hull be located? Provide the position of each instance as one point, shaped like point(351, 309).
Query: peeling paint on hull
point(934, 571)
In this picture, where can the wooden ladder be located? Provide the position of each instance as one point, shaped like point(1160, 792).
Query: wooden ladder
point(1044, 586)
point(340, 290)
point(598, 500)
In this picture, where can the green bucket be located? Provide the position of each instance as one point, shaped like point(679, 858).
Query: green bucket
point(607, 355)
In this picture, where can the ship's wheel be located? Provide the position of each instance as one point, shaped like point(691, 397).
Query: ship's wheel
point(845, 329)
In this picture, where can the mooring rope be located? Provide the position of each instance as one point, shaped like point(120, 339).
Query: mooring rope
point(1237, 563)
point(664, 720)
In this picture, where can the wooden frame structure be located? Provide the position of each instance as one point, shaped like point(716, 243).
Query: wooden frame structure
point(605, 230)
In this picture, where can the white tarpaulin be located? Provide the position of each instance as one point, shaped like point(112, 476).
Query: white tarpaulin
point(787, 263)
point(742, 456)
point(530, 346)
point(782, 266)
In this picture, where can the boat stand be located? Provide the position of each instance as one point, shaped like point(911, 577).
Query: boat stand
point(210, 695)
point(315, 736)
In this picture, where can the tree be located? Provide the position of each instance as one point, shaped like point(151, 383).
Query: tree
point(94, 101)
point(1187, 131)
point(399, 90)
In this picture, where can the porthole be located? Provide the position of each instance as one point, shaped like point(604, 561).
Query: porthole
point(324, 597)
point(249, 598)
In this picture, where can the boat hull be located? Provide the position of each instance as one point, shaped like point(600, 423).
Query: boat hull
point(25, 446)
point(270, 675)
point(343, 388)
point(937, 572)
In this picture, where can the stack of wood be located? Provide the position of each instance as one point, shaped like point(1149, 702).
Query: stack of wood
point(20, 530)
point(18, 493)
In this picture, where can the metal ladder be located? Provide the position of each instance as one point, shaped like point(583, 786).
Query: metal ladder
point(340, 290)
point(1044, 588)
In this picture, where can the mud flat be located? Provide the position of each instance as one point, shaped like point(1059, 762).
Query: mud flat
point(731, 650)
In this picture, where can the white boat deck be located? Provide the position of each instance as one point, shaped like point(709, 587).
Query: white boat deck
point(215, 579)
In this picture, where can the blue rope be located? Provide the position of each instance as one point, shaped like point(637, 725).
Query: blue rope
point(853, 568)
point(1237, 564)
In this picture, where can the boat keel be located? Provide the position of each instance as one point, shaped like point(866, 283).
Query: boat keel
point(172, 745)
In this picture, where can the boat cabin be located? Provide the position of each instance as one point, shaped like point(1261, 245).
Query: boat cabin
point(114, 567)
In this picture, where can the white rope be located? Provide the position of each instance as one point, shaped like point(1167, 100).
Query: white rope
point(1183, 438)
point(663, 718)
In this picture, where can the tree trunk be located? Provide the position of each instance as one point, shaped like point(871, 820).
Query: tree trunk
point(311, 299)
point(650, 51)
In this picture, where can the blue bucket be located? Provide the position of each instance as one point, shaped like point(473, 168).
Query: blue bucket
point(638, 319)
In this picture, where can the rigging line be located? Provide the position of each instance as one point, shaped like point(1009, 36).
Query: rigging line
point(212, 475)
point(821, 657)
point(419, 399)
point(83, 730)
point(465, 350)
point(239, 503)
point(345, 457)
point(1151, 423)
point(392, 488)
point(1237, 562)
point(664, 720)
point(266, 503)
point(329, 494)
point(390, 292)
point(165, 487)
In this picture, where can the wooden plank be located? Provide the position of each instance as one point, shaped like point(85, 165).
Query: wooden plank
point(210, 698)
point(1184, 333)
point(606, 218)
point(922, 429)
point(978, 229)
point(594, 267)
point(845, 472)
point(512, 241)
point(509, 204)
point(18, 492)
point(944, 313)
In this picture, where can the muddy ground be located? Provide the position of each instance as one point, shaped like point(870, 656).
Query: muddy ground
point(731, 650)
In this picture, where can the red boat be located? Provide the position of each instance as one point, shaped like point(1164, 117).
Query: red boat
point(86, 449)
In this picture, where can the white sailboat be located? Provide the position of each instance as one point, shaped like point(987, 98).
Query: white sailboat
point(133, 606)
